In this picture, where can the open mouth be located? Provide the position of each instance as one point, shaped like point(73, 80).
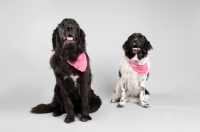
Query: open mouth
point(69, 38)
point(136, 49)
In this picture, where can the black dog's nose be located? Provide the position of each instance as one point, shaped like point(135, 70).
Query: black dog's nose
point(70, 27)
point(135, 40)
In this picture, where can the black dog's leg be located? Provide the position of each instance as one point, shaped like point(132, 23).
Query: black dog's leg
point(84, 101)
point(57, 102)
point(69, 107)
point(67, 103)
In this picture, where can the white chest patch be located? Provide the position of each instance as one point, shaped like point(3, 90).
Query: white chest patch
point(131, 78)
point(73, 77)
point(135, 58)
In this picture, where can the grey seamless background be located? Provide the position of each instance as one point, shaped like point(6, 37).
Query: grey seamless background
point(172, 27)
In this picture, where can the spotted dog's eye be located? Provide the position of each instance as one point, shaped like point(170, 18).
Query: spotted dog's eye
point(62, 25)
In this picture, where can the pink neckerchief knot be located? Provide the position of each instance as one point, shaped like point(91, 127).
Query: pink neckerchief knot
point(140, 69)
point(81, 62)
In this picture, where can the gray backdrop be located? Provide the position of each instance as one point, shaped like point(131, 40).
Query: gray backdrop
point(172, 27)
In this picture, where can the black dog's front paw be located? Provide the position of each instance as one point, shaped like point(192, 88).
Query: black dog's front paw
point(85, 118)
point(69, 119)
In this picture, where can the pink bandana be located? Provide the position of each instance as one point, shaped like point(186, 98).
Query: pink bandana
point(141, 69)
point(81, 62)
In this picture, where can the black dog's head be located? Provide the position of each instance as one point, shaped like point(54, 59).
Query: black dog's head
point(137, 44)
point(68, 39)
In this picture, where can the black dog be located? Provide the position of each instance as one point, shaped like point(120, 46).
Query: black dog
point(73, 93)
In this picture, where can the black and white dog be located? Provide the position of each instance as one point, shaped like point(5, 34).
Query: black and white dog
point(133, 72)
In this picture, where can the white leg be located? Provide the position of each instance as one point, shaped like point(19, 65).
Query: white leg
point(123, 96)
point(142, 86)
point(116, 94)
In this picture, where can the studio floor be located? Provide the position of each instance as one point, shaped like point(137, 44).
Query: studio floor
point(167, 113)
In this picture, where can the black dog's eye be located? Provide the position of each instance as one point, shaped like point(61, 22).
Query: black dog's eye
point(141, 38)
point(75, 25)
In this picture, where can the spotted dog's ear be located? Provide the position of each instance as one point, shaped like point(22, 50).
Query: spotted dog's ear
point(147, 45)
point(82, 36)
point(125, 46)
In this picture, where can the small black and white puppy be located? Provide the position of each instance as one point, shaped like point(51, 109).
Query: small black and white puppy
point(133, 72)
point(71, 65)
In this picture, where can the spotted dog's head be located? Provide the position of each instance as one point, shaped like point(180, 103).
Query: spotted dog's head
point(69, 39)
point(137, 44)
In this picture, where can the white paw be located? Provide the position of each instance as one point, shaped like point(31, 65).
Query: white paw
point(144, 104)
point(113, 100)
point(121, 104)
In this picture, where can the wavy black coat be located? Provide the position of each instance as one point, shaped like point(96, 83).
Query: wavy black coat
point(69, 96)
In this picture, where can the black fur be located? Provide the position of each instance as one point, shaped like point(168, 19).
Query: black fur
point(120, 74)
point(69, 97)
point(147, 92)
point(137, 40)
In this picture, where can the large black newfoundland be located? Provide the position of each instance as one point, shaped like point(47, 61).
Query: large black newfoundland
point(71, 66)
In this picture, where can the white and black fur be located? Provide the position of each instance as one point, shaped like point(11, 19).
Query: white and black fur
point(131, 86)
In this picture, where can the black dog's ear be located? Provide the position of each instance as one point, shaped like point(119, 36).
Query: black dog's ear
point(82, 36)
point(55, 39)
point(147, 45)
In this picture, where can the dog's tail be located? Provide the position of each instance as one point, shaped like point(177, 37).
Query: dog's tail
point(42, 108)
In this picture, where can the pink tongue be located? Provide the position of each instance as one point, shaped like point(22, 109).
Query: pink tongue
point(136, 48)
point(69, 38)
